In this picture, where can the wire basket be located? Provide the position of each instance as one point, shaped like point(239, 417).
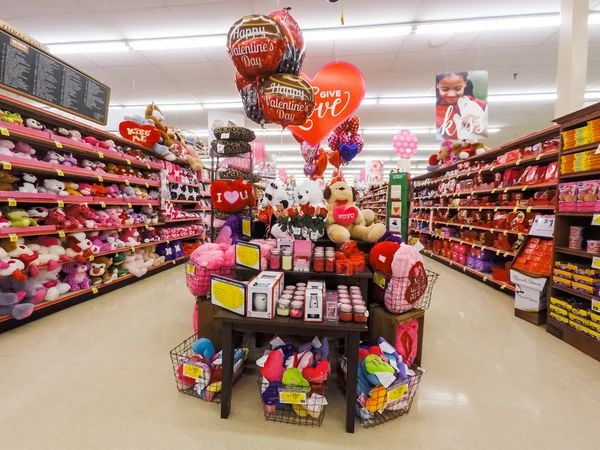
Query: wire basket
point(198, 277)
point(286, 404)
point(376, 405)
point(199, 377)
point(414, 292)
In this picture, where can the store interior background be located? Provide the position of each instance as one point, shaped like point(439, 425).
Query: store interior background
point(399, 70)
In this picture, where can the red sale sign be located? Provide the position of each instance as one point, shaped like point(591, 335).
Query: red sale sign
point(339, 88)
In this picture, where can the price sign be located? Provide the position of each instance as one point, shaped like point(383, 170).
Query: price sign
point(292, 397)
point(227, 293)
point(596, 306)
point(538, 157)
point(60, 173)
point(190, 269)
point(101, 155)
point(58, 144)
point(129, 205)
point(192, 371)
point(543, 226)
point(147, 185)
point(4, 132)
point(61, 233)
point(103, 204)
point(13, 237)
point(12, 202)
point(247, 255)
point(95, 290)
point(91, 258)
point(100, 179)
point(379, 280)
point(6, 165)
point(397, 393)
point(128, 162)
point(246, 226)
point(60, 203)
point(127, 182)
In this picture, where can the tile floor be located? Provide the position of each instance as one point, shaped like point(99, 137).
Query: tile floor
point(98, 376)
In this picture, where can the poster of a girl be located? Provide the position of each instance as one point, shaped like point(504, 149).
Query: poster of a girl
point(459, 113)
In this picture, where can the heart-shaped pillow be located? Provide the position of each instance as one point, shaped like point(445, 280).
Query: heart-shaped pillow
point(231, 196)
point(146, 135)
point(273, 369)
point(317, 374)
point(382, 255)
point(293, 377)
point(345, 215)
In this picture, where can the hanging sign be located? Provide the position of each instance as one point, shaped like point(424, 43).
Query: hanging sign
point(461, 110)
point(339, 88)
point(247, 255)
point(543, 226)
point(227, 293)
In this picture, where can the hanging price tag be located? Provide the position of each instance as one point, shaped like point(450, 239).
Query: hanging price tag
point(480, 209)
point(100, 179)
point(484, 278)
point(148, 166)
point(101, 155)
point(12, 202)
point(505, 190)
point(149, 206)
point(497, 252)
point(60, 204)
point(538, 157)
point(518, 163)
point(292, 397)
point(190, 269)
point(95, 290)
point(60, 173)
point(128, 162)
point(524, 188)
point(529, 209)
point(515, 209)
point(4, 132)
point(127, 182)
point(505, 233)
point(6, 165)
point(58, 144)
point(492, 230)
point(61, 233)
point(133, 249)
point(503, 287)
point(520, 236)
point(192, 371)
point(103, 204)
point(493, 191)
point(505, 254)
point(13, 237)
point(147, 185)
point(492, 169)
point(91, 258)
point(470, 228)
point(379, 280)
point(129, 205)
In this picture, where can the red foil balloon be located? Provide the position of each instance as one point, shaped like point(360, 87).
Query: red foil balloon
point(286, 99)
point(256, 45)
point(335, 159)
point(241, 82)
point(295, 49)
point(320, 164)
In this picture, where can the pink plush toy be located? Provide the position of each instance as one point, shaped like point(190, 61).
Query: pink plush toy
point(23, 150)
point(409, 280)
point(113, 191)
point(51, 282)
point(115, 216)
point(86, 189)
point(77, 275)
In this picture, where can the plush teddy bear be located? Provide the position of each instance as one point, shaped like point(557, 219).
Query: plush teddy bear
point(98, 268)
point(445, 157)
point(134, 263)
point(467, 148)
point(72, 188)
point(309, 192)
point(24, 150)
point(54, 186)
point(50, 251)
point(77, 277)
point(6, 180)
point(28, 183)
point(34, 124)
point(79, 246)
point(54, 157)
point(51, 282)
point(7, 147)
point(99, 190)
point(345, 221)
point(154, 114)
point(38, 213)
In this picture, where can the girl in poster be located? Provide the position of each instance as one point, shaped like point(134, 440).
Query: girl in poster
point(460, 114)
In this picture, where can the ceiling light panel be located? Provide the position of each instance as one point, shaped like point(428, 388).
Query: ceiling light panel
point(88, 47)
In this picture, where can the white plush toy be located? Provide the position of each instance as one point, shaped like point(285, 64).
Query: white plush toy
point(309, 192)
point(275, 194)
point(472, 122)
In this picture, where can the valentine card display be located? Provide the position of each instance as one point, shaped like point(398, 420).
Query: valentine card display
point(345, 143)
point(339, 89)
point(255, 44)
point(285, 99)
point(268, 52)
point(231, 196)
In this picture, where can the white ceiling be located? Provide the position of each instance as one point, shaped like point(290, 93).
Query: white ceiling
point(399, 66)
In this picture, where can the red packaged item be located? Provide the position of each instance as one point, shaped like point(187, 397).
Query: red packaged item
point(551, 172)
point(515, 221)
point(513, 155)
point(499, 220)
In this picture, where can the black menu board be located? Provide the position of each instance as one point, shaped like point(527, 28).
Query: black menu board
point(29, 71)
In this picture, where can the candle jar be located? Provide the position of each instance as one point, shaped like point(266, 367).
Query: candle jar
point(360, 314)
point(343, 267)
point(286, 260)
point(275, 260)
point(330, 262)
point(319, 261)
point(300, 285)
point(345, 312)
point(297, 311)
point(283, 307)
point(331, 307)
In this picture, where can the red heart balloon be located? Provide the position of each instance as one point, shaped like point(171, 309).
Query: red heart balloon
point(146, 135)
point(335, 159)
point(320, 163)
point(339, 88)
point(231, 196)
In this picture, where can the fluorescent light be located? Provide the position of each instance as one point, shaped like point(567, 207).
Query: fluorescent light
point(224, 105)
point(88, 47)
point(182, 107)
point(493, 130)
point(592, 95)
point(593, 18)
point(179, 42)
point(476, 26)
point(522, 97)
point(369, 101)
point(327, 34)
point(396, 130)
point(407, 101)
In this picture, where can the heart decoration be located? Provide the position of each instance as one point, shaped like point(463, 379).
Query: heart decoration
point(339, 88)
point(146, 135)
point(309, 169)
point(417, 283)
point(316, 374)
point(396, 209)
point(407, 340)
point(273, 369)
point(231, 196)
point(345, 216)
point(382, 255)
point(224, 236)
point(348, 152)
point(335, 159)
point(320, 164)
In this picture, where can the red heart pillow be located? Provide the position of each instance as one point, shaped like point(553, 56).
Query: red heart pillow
point(274, 368)
point(316, 374)
point(231, 196)
point(382, 255)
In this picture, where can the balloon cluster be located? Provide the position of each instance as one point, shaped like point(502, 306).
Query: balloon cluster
point(268, 52)
point(316, 160)
point(345, 142)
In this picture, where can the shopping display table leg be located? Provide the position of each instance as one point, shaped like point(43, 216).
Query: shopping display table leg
point(227, 342)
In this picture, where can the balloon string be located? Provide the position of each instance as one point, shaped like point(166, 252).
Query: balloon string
point(342, 14)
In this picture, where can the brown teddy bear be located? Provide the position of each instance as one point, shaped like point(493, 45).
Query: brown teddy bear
point(345, 221)
point(6, 180)
point(154, 114)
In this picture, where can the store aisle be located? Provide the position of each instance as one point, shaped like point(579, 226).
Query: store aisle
point(98, 376)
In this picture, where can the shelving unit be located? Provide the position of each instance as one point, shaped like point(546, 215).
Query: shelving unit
point(568, 330)
point(432, 210)
point(375, 198)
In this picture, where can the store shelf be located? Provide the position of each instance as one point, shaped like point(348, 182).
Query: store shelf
point(196, 185)
point(486, 277)
point(482, 208)
point(34, 231)
point(581, 253)
point(366, 273)
point(182, 201)
point(581, 148)
point(575, 292)
point(72, 199)
point(499, 252)
point(569, 335)
point(187, 219)
point(91, 290)
point(523, 188)
point(473, 227)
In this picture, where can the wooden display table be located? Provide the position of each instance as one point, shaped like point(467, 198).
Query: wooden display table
point(284, 325)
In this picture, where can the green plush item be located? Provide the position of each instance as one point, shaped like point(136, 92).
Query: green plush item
point(374, 364)
point(293, 377)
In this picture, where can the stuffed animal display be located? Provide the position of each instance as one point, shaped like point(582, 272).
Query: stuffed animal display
point(385, 381)
point(231, 196)
point(345, 220)
point(207, 259)
point(200, 371)
point(305, 368)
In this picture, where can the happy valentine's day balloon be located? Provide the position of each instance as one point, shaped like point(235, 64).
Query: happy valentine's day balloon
point(241, 82)
point(256, 44)
point(285, 99)
point(249, 96)
point(295, 47)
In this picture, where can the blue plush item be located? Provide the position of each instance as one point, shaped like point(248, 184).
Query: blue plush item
point(324, 349)
point(204, 348)
point(287, 349)
point(271, 394)
point(348, 152)
point(305, 347)
point(364, 386)
point(390, 237)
